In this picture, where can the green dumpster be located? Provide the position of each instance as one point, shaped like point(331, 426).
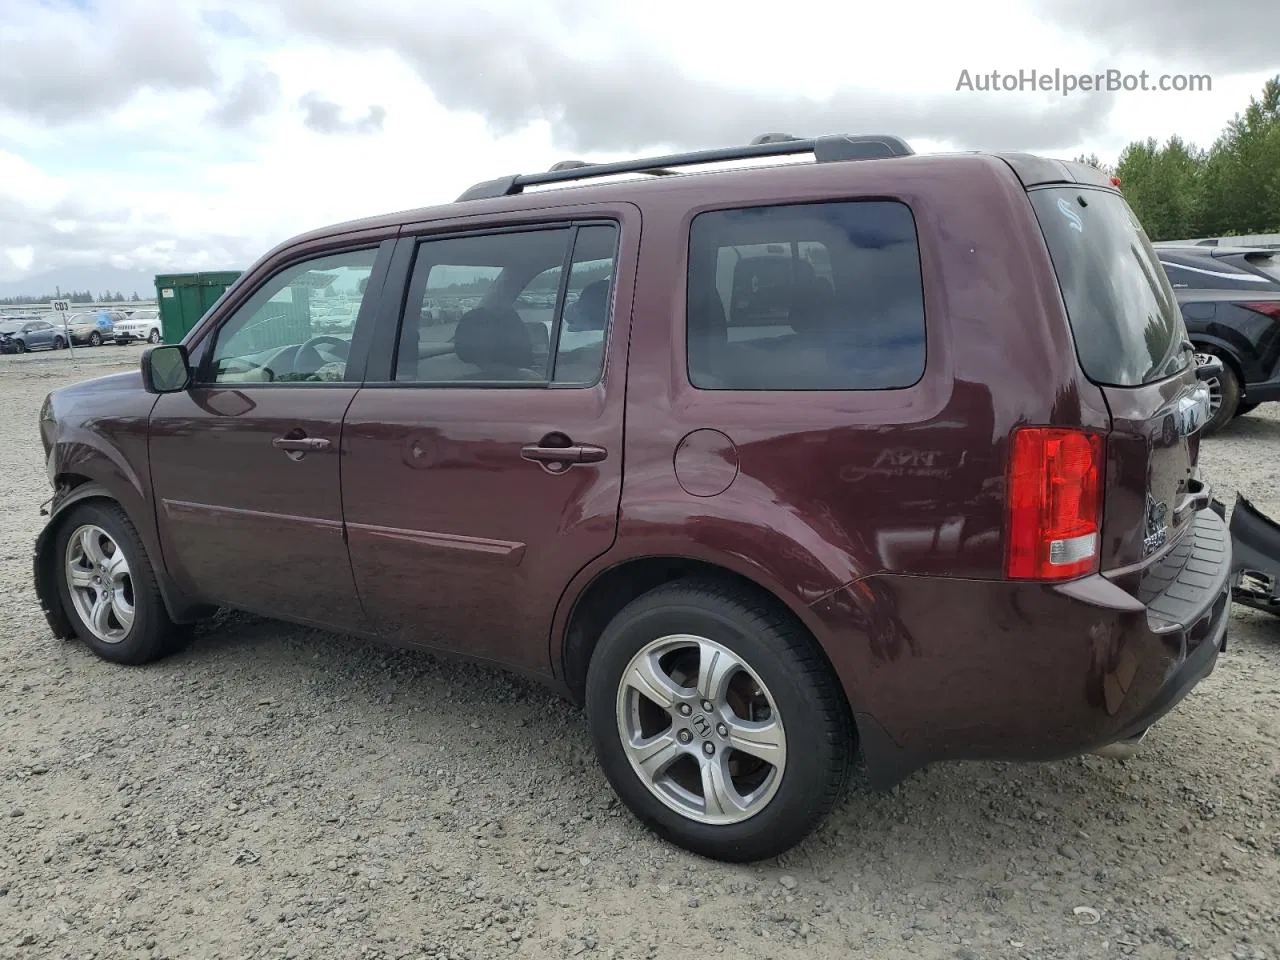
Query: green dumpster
point(183, 298)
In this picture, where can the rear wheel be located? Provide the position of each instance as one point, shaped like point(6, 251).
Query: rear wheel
point(717, 721)
point(108, 586)
point(1224, 393)
point(59, 343)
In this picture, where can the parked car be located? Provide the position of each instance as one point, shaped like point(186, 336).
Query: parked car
point(1230, 300)
point(93, 327)
point(931, 499)
point(139, 325)
point(19, 336)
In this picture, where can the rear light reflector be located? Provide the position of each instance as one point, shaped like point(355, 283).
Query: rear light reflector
point(1054, 503)
point(1270, 308)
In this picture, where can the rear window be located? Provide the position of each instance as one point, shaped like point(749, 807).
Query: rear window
point(1124, 317)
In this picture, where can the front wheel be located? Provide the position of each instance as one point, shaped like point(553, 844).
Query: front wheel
point(59, 343)
point(95, 339)
point(21, 347)
point(154, 337)
point(717, 721)
point(108, 586)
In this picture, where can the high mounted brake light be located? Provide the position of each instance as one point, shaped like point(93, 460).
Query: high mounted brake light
point(1054, 506)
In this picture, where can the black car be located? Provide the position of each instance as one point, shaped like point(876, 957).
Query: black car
point(1230, 300)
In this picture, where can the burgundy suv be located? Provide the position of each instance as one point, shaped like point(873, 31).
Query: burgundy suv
point(763, 466)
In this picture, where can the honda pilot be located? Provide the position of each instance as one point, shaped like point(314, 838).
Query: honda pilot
point(767, 467)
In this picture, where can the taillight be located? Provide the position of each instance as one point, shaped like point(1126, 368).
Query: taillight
point(1054, 503)
point(1269, 307)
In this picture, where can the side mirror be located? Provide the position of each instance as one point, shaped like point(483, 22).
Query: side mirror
point(166, 369)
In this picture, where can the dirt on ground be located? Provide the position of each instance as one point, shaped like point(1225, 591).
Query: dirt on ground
point(280, 792)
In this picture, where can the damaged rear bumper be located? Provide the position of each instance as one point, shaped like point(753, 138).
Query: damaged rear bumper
point(1255, 561)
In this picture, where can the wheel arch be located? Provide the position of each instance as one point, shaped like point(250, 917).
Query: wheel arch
point(74, 489)
point(1222, 349)
point(606, 591)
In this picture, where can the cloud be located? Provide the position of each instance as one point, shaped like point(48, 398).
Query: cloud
point(62, 64)
point(325, 116)
point(515, 71)
point(1236, 38)
point(73, 233)
point(256, 94)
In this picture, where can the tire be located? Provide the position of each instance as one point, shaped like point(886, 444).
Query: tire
point(1227, 391)
point(95, 339)
point(150, 634)
point(785, 800)
point(154, 337)
point(22, 347)
point(59, 343)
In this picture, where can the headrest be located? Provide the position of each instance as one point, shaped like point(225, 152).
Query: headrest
point(490, 336)
point(590, 311)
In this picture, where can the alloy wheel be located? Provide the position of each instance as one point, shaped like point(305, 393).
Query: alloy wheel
point(701, 730)
point(100, 583)
point(1213, 383)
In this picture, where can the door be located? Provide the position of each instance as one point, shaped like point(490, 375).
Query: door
point(38, 335)
point(245, 463)
point(486, 471)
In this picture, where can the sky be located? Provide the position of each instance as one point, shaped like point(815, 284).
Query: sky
point(196, 134)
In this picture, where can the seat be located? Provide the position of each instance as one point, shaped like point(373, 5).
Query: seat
point(590, 311)
point(495, 340)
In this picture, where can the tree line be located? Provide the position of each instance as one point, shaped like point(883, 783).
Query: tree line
point(1180, 191)
point(75, 296)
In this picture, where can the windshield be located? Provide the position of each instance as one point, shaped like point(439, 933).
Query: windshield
point(1124, 317)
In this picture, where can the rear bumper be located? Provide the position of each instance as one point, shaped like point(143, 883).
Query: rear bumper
point(946, 669)
point(1255, 558)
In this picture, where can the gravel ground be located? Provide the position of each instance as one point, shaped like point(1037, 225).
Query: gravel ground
point(280, 792)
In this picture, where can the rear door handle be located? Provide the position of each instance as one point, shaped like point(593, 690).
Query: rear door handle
point(577, 453)
point(300, 444)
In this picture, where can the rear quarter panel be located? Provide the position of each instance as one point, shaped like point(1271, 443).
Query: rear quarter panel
point(832, 487)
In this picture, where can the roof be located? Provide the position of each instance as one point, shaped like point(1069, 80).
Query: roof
point(579, 182)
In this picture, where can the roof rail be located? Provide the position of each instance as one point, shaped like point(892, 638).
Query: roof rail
point(830, 149)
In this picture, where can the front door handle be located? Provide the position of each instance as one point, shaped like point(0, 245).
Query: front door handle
point(575, 453)
point(296, 447)
point(300, 444)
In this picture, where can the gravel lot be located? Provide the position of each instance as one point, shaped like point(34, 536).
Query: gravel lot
point(280, 792)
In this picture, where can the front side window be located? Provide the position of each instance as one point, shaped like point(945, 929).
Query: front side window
point(819, 296)
point(495, 308)
point(297, 328)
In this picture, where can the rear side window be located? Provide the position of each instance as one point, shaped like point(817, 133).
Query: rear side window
point(1124, 317)
point(819, 296)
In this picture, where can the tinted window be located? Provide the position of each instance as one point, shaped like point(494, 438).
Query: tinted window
point(823, 296)
point(297, 327)
point(1125, 321)
point(494, 308)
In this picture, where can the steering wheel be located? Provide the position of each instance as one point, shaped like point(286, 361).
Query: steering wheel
point(309, 347)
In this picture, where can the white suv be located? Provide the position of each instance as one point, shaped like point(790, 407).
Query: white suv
point(141, 325)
